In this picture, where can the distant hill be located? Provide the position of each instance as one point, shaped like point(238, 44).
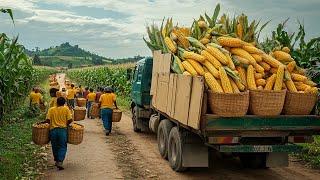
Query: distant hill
point(66, 55)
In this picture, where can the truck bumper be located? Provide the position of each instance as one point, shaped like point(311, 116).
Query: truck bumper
point(259, 148)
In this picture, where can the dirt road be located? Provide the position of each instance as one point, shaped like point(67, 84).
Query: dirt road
point(128, 155)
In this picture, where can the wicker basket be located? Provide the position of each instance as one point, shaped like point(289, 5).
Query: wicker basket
point(299, 103)
point(40, 136)
point(75, 136)
point(228, 105)
point(266, 103)
point(116, 115)
point(81, 102)
point(95, 110)
point(79, 114)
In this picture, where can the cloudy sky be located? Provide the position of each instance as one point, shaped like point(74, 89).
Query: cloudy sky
point(114, 28)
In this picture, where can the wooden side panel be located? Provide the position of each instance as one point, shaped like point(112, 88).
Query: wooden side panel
point(165, 63)
point(196, 102)
point(172, 94)
point(155, 84)
point(181, 111)
point(157, 58)
point(162, 92)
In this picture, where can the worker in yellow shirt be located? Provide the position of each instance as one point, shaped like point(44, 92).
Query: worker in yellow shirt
point(79, 91)
point(59, 118)
point(107, 100)
point(71, 94)
point(53, 95)
point(91, 97)
point(35, 100)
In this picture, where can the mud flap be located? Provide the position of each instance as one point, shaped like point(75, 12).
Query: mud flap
point(277, 159)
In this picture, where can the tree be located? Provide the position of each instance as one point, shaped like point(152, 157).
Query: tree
point(36, 60)
point(69, 65)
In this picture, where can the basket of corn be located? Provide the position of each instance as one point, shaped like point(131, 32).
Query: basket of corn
point(40, 133)
point(81, 102)
point(116, 115)
point(79, 113)
point(95, 110)
point(75, 133)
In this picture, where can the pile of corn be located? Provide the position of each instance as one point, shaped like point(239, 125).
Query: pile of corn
point(76, 126)
point(80, 108)
point(41, 125)
point(228, 57)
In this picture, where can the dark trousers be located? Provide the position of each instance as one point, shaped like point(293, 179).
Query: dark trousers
point(59, 139)
point(106, 116)
point(70, 103)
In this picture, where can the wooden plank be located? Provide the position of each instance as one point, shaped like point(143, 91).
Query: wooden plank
point(196, 102)
point(154, 93)
point(162, 92)
point(181, 112)
point(171, 94)
point(166, 63)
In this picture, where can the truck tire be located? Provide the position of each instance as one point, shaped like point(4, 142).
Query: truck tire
point(162, 137)
point(175, 150)
point(253, 160)
point(135, 119)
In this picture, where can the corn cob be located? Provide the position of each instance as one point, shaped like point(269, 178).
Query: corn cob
point(252, 50)
point(298, 77)
point(258, 75)
point(197, 66)
point(241, 59)
point(211, 69)
point(310, 83)
point(312, 90)
point(279, 78)
point(230, 62)
point(226, 85)
point(219, 82)
point(270, 82)
point(202, 24)
point(250, 78)
point(188, 67)
point(291, 66)
point(242, 53)
point(286, 50)
point(271, 61)
point(212, 83)
point(242, 74)
point(205, 41)
point(241, 87)
point(302, 87)
point(234, 86)
point(179, 63)
point(186, 73)
point(247, 44)
point(211, 59)
point(239, 31)
point(260, 82)
point(230, 42)
point(265, 66)
point(257, 57)
point(194, 56)
point(215, 52)
point(290, 86)
point(282, 56)
point(171, 45)
point(258, 68)
point(182, 40)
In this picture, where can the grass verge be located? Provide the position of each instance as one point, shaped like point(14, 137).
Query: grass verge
point(19, 157)
point(311, 153)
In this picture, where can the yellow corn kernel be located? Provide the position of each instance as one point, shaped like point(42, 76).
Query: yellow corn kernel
point(271, 61)
point(230, 42)
point(234, 86)
point(226, 85)
point(252, 50)
point(188, 67)
point(291, 66)
point(212, 83)
point(270, 82)
point(211, 59)
point(197, 66)
point(257, 57)
point(243, 74)
point(230, 62)
point(215, 52)
point(310, 83)
point(170, 45)
point(260, 82)
point(302, 87)
point(211, 69)
point(298, 77)
point(250, 78)
point(286, 49)
point(274, 70)
point(265, 66)
point(290, 86)
point(242, 53)
point(258, 75)
point(279, 79)
point(241, 59)
point(205, 41)
point(258, 68)
point(194, 56)
point(282, 56)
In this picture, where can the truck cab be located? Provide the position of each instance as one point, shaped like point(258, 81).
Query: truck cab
point(140, 94)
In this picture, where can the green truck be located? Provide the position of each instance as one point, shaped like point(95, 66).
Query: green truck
point(259, 142)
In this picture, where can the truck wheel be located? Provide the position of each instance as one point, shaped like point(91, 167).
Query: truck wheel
point(175, 150)
point(135, 119)
point(162, 136)
point(253, 160)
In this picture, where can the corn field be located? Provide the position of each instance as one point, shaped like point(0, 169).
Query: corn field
point(17, 75)
point(102, 77)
